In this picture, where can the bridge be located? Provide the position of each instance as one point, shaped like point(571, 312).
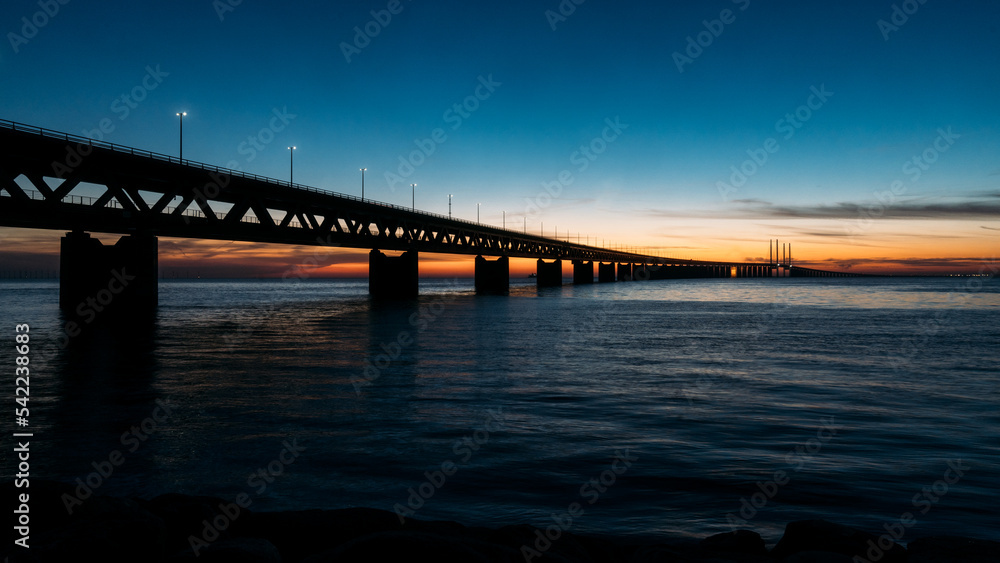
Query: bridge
point(149, 195)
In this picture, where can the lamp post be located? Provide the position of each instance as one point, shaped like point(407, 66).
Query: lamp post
point(363, 183)
point(504, 219)
point(413, 195)
point(291, 165)
point(477, 212)
point(449, 206)
point(181, 115)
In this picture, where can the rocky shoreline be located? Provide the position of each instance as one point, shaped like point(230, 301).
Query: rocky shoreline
point(176, 528)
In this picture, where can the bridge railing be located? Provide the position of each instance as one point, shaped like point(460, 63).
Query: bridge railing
point(229, 171)
point(68, 137)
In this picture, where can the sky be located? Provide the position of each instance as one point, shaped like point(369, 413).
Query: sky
point(864, 133)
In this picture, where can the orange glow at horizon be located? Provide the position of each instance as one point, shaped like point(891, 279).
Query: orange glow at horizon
point(892, 249)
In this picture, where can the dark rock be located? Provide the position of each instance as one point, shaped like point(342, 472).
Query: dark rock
point(298, 534)
point(821, 535)
point(114, 529)
point(567, 546)
point(658, 554)
point(406, 545)
point(687, 554)
point(106, 529)
point(238, 550)
point(207, 519)
point(948, 549)
point(744, 542)
point(818, 557)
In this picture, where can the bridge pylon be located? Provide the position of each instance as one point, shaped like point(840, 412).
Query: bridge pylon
point(624, 271)
point(393, 277)
point(493, 276)
point(96, 280)
point(605, 272)
point(549, 273)
point(583, 272)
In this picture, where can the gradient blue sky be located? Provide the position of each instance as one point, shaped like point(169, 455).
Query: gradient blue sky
point(655, 186)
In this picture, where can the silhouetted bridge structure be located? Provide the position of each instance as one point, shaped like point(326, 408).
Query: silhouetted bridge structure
point(147, 195)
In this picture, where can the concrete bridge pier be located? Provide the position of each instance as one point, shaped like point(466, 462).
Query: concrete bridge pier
point(583, 272)
point(624, 272)
point(549, 273)
point(493, 276)
point(657, 271)
point(393, 277)
point(639, 272)
point(605, 272)
point(95, 279)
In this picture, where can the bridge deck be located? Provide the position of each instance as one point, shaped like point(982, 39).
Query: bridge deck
point(154, 194)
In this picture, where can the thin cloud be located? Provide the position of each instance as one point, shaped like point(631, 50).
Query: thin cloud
point(916, 209)
point(959, 262)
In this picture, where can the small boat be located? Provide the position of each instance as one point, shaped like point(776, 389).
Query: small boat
point(532, 275)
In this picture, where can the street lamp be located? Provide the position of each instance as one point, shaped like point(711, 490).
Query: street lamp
point(477, 212)
point(504, 219)
point(363, 183)
point(291, 165)
point(181, 115)
point(449, 206)
point(413, 195)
